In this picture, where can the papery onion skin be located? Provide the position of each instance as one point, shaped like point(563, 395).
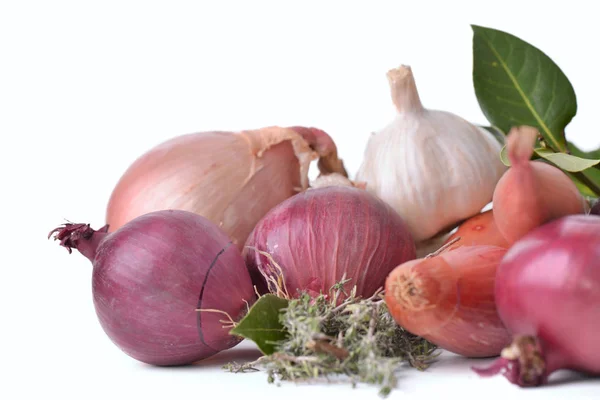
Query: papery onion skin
point(150, 277)
point(480, 229)
point(548, 296)
point(531, 193)
point(231, 178)
point(322, 235)
point(448, 299)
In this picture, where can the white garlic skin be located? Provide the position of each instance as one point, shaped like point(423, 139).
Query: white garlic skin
point(433, 167)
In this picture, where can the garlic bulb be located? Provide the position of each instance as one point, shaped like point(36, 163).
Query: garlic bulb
point(433, 167)
point(231, 178)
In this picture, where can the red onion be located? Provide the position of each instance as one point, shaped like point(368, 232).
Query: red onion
point(230, 178)
point(323, 235)
point(548, 296)
point(150, 277)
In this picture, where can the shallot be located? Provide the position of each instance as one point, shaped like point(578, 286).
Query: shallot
point(448, 299)
point(548, 296)
point(480, 229)
point(163, 284)
point(230, 178)
point(531, 193)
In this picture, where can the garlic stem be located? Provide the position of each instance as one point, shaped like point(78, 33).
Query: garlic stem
point(404, 89)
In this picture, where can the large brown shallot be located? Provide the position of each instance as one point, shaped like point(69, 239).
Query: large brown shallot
point(230, 178)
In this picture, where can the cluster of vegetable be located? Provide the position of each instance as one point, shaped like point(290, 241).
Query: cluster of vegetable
point(214, 237)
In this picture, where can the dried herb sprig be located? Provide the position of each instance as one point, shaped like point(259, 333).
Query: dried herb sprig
point(345, 336)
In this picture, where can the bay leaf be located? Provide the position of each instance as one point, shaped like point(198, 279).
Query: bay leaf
point(504, 156)
point(517, 84)
point(576, 151)
point(506, 161)
point(590, 175)
point(582, 187)
point(496, 132)
point(567, 162)
point(261, 324)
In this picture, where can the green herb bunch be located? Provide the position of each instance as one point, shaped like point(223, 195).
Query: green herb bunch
point(341, 335)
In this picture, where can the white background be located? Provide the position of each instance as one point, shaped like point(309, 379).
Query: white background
point(85, 87)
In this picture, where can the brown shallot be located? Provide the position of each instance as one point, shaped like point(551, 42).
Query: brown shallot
point(448, 299)
point(230, 178)
point(531, 192)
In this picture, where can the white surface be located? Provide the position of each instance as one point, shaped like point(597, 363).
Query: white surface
point(85, 87)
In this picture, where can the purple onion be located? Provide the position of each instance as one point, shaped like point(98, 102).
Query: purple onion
point(150, 277)
point(320, 236)
point(547, 292)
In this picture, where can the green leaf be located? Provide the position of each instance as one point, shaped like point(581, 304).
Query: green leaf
point(497, 133)
point(261, 324)
point(591, 175)
point(517, 84)
point(576, 151)
point(506, 161)
point(566, 162)
point(583, 188)
point(504, 156)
